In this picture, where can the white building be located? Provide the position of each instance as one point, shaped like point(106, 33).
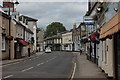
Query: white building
point(67, 41)
point(32, 25)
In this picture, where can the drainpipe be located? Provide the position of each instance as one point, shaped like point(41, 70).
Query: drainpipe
point(9, 31)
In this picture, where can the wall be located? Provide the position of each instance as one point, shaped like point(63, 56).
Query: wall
point(34, 35)
point(25, 51)
point(13, 30)
point(110, 57)
point(19, 31)
point(40, 39)
point(0, 36)
point(5, 54)
point(100, 52)
point(67, 38)
point(107, 64)
point(32, 26)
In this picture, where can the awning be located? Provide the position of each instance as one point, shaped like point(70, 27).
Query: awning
point(111, 26)
point(23, 42)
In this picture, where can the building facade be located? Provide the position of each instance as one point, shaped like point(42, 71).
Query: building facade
point(40, 39)
point(54, 42)
point(106, 16)
point(30, 31)
point(67, 41)
point(76, 38)
point(0, 33)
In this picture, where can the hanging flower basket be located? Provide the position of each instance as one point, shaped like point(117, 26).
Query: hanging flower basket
point(85, 40)
point(9, 37)
point(94, 38)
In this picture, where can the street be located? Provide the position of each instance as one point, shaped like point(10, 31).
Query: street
point(49, 65)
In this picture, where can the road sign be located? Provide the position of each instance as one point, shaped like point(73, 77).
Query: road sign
point(88, 20)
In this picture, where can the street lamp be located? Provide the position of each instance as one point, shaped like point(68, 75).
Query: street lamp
point(9, 6)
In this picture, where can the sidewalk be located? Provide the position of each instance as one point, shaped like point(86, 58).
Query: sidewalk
point(87, 69)
point(5, 62)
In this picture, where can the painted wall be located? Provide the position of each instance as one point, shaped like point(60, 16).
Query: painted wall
point(19, 31)
point(0, 36)
point(5, 22)
point(67, 38)
point(107, 64)
point(34, 35)
point(32, 26)
point(100, 52)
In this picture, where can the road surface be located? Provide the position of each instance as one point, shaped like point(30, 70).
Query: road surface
point(49, 65)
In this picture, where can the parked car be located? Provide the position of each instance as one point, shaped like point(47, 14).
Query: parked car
point(48, 50)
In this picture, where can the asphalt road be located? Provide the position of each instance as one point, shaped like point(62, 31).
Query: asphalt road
point(49, 65)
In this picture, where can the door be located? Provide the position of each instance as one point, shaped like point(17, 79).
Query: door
point(118, 54)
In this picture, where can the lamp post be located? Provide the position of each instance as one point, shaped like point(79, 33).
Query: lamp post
point(9, 6)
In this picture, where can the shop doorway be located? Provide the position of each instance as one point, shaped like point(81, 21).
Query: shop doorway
point(117, 55)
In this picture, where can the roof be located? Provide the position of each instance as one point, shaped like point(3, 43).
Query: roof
point(4, 15)
point(19, 23)
point(28, 30)
point(29, 18)
point(54, 37)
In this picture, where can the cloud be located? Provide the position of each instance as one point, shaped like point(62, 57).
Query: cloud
point(47, 12)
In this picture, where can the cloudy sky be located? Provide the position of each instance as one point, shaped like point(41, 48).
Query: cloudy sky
point(67, 13)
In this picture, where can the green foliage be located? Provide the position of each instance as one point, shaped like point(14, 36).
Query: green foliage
point(54, 28)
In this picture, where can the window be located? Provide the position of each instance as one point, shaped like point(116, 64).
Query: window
point(3, 43)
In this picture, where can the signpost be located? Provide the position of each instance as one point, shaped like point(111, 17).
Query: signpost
point(88, 20)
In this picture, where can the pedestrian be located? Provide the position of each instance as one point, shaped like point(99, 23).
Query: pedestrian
point(28, 52)
point(80, 51)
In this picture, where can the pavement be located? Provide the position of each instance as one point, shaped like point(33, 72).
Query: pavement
point(86, 69)
point(5, 62)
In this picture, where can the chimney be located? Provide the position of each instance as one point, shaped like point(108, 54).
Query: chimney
point(7, 4)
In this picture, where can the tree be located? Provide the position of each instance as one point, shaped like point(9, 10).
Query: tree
point(54, 28)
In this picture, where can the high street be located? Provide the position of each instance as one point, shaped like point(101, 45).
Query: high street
point(48, 65)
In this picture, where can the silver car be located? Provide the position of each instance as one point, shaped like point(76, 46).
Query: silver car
point(48, 50)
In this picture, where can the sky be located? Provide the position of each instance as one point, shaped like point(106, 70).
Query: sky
point(67, 13)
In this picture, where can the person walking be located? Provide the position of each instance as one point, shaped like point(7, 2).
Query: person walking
point(80, 51)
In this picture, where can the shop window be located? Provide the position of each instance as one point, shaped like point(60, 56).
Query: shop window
point(3, 43)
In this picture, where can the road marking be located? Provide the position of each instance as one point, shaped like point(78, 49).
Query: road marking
point(50, 59)
point(40, 64)
point(27, 69)
point(73, 74)
point(8, 76)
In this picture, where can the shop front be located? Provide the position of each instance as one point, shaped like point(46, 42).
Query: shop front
point(19, 44)
point(110, 34)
